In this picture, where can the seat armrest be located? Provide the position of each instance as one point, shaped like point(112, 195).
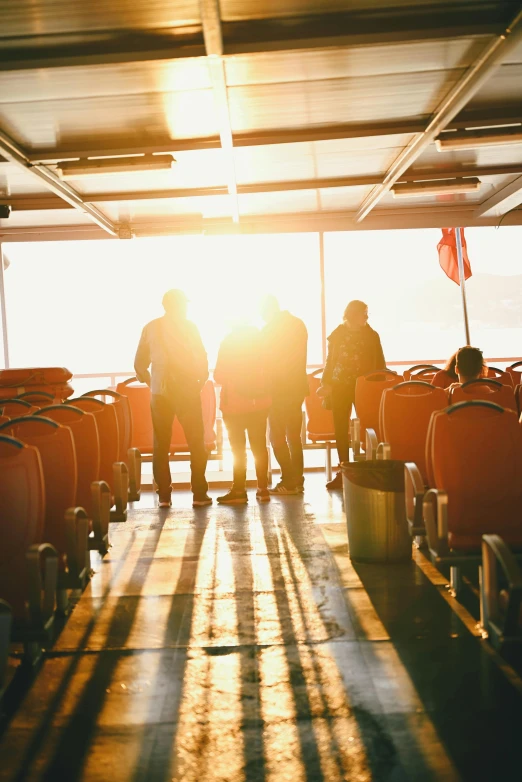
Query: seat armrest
point(435, 513)
point(500, 626)
point(121, 491)
point(371, 444)
point(355, 437)
point(41, 591)
point(414, 495)
point(383, 452)
point(134, 462)
point(77, 536)
point(101, 513)
point(5, 638)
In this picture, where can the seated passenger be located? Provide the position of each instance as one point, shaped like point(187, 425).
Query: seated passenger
point(244, 402)
point(446, 376)
point(469, 366)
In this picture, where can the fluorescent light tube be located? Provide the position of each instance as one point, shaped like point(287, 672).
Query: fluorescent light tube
point(117, 165)
point(488, 137)
point(437, 187)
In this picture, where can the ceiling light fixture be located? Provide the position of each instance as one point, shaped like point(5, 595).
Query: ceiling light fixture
point(118, 165)
point(437, 187)
point(487, 137)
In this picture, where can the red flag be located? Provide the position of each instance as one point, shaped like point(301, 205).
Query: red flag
point(448, 257)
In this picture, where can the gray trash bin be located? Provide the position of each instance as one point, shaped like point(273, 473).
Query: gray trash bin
point(375, 511)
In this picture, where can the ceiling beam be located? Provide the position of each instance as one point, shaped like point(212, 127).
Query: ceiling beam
point(457, 98)
point(14, 154)
point(41, 201)
point(345, 28)
point(211, 20)
point(503, 115)
point(504, 200)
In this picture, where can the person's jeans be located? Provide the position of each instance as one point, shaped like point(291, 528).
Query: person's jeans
point(187, 407)
point(286, 419)
point(237, 426)
point(343, 397)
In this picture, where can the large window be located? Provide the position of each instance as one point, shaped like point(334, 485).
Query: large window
point(414, 306)
point(83, 304)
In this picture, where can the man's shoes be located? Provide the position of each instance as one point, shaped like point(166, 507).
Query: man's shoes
point(263, 495)
point(233, 497)
point(165, 504)
point(336, 484)
point(283, 490)
point(200, 500)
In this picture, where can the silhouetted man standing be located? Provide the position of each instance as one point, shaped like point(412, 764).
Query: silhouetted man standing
point(173, 346)
point(286, 340)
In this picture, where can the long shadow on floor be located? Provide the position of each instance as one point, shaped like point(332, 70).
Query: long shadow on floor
point(73, 746)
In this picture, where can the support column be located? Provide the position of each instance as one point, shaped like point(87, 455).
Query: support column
point(3, 309)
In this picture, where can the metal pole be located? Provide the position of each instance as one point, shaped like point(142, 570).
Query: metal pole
point(323, 296)
point(462, 283)
point(2, 307)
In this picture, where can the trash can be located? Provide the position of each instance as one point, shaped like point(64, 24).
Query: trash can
point(375, 511)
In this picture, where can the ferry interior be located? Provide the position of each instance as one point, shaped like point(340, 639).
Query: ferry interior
point(321, 152)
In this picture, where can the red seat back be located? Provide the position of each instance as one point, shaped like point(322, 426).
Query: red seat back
point(409, 373)
point(487, 390)
point(515, 370)
point(406, 411)
point(442, 379)
point(368, 392)
point(138, 395)
point(22, 510)
point(320, 426)
point(86, 442)
point(14, 408)
point(108, 433)
point(503, 377)
point(475, 450)
point(123, 414)
point(56, 446)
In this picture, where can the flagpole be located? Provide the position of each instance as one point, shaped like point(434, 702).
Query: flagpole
point(462, 279)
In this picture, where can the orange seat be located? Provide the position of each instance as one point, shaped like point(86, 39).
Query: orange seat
point(518, 398)
point(502, 377)
point(22, 518)
point(30, 376)
point(58, 456)
point(368, 392)
point(320, 426)
point(87, 445)
point(474, 453)
point(406, 410)
point(515, 370)
point(108, 432)
point(124, 416)
point(112, 470)
point(138, 395)
point(408, 373)
point(442, 379)
point(488, 390)
point(16, 407)
point(37, 398)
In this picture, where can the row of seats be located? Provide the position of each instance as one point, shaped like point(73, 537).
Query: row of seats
point(64, 475)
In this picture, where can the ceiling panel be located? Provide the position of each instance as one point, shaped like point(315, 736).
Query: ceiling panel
point(261, 9)
point(208, 206)
point(15, 180)
point(338, 198)
point(38, 218)
point(50, 123)
point(468, 158)
point(336, 63)
point(504, 86)
point(341, 100)
point(48, 17)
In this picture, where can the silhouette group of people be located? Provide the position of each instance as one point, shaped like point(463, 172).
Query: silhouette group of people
point(262, 374)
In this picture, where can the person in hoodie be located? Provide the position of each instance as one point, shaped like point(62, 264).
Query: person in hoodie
point(286, 341)
point(354, 349)
point(244, 401)
point(172, 347)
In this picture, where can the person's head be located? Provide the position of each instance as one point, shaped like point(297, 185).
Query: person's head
point(356, 314)
point(450, 365)
point(269, 308)
point(469, 364)
point(175, 303)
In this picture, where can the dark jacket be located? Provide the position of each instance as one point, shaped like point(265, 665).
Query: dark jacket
point(371, 358)
point(241, 373)
point(286, 341)
point(176, 353)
